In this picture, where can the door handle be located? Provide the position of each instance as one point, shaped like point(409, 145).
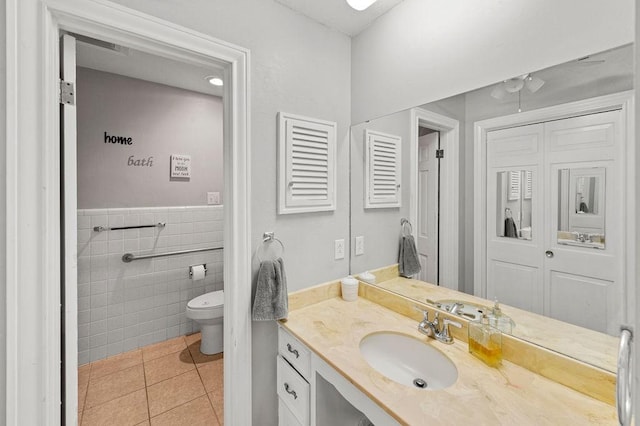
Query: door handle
point(548, 253)
point(624, 378)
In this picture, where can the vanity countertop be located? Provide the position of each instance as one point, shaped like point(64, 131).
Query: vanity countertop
point(592, 347)
point(508, 395)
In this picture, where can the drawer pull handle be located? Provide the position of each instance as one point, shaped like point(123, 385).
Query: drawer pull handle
point(289, 391)
point(293, 351)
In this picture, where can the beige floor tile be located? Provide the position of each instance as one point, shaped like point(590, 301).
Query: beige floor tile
point(217, 401)
point(173, 392)
point(199, 357)
point(168, 366)
point(145, 423)
point(212, 374)
point(114, 385)
point(84, 372)
point(194, 413)
point(115, 363)
point(195, 337)
point(83, 383)
point(163, 348)
point(126, 410)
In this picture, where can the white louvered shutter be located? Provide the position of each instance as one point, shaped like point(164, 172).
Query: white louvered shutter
point(514, 185)
point(307, 156)
point(382, 168)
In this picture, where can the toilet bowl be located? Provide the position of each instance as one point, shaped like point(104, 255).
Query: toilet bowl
point(207, 310)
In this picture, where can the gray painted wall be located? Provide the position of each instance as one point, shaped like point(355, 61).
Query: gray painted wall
point(380, 226)
point(297, 66)
point(3, 205)
point(161, 121)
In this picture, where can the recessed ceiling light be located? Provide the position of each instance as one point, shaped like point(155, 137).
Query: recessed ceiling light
point(360, 5)
point(216, 81)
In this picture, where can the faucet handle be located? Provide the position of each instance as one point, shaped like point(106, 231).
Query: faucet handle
point(444, 336)
point(425, 312)
point(447, 322)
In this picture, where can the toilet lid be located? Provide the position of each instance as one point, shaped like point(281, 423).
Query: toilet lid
point(207, 300)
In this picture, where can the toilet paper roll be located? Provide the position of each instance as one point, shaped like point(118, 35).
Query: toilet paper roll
point(197, 272)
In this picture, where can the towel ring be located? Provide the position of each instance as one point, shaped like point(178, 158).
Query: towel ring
point(267, 239)
point(404, 223)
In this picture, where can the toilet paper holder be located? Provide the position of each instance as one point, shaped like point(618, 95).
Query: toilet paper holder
point(193, 266)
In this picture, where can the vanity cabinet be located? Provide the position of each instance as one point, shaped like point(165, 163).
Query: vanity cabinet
point(293, 377)
point(312, 393)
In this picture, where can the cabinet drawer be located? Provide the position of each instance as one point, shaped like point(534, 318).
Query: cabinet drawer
point(285, 416)
point(293, 390)
point(295, 352)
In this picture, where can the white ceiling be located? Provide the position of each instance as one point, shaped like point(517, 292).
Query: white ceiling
point(337, 14)
point(144, 66)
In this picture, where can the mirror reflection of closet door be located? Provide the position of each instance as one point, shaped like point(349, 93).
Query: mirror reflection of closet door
point(514, 217)
point(583, 171)
point(428, 207)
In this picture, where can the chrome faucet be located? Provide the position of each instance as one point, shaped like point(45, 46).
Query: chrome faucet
point(437, 330)
point(455, 308)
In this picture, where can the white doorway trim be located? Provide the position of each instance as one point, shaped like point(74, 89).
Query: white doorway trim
point(33, 330)
point(449, 188)
point(620, 101)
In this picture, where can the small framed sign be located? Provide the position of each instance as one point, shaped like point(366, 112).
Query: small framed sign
point(180, 166)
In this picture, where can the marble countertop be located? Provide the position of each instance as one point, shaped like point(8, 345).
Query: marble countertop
point(589, 346)
point(508, 395)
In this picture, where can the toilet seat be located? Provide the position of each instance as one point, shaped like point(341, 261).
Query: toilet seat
point(209, 300)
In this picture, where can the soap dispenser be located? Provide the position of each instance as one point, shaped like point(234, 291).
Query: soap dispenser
point(498, 320)
point(485, 342)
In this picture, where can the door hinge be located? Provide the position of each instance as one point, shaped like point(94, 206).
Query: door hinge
point(67, 93)
point(439, 153)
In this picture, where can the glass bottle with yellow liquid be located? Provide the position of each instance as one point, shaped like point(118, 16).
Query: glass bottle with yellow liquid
point(485, 342)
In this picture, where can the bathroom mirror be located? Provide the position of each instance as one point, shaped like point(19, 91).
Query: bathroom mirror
point(516, 192)
point(514, 201)
point(581, 198)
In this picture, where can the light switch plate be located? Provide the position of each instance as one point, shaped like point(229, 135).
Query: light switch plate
point(339, 249)
point(213, 198)
point(360, 245)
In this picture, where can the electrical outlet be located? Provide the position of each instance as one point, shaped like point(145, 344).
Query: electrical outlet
point(213, 198)
point(360, 245)
point(339, 249)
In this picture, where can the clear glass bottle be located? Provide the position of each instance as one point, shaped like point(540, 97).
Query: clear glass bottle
point(485, 342)
point(498, 320)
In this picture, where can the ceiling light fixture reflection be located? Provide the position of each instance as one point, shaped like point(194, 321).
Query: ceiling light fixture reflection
point(216, 81)
point(516, 84)
point(360, 5)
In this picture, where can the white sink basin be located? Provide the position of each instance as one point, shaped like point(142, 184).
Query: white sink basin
point(408, 361)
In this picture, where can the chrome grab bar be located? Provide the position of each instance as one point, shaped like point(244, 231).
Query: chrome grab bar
point(624, 377)
point(129, 257)
point(120, 228)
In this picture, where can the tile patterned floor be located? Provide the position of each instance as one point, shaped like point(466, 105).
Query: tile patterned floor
point(169, 383)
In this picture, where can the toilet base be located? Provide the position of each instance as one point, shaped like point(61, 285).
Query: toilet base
point(212, 339)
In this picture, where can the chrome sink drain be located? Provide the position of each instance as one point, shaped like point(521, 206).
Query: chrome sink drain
point(419, 383)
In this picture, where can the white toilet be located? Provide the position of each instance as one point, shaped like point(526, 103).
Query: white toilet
point(207, 310)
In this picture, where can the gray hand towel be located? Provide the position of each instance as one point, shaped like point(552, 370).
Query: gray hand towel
point(271, 301)
point(510, 229)
point(408, 262)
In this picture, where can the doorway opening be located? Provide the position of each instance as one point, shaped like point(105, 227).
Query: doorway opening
point(428, 223)
point(147, 34)
point(434, 188)
point(150, 200)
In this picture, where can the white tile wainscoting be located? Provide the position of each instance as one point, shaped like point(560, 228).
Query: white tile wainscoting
point(124, 306)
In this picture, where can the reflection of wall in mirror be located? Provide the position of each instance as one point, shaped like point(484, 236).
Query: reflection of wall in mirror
point(380, 226)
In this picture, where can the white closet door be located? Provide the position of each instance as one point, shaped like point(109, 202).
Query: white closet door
point(514, 261)
point(428, 207)
point(583, 237)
